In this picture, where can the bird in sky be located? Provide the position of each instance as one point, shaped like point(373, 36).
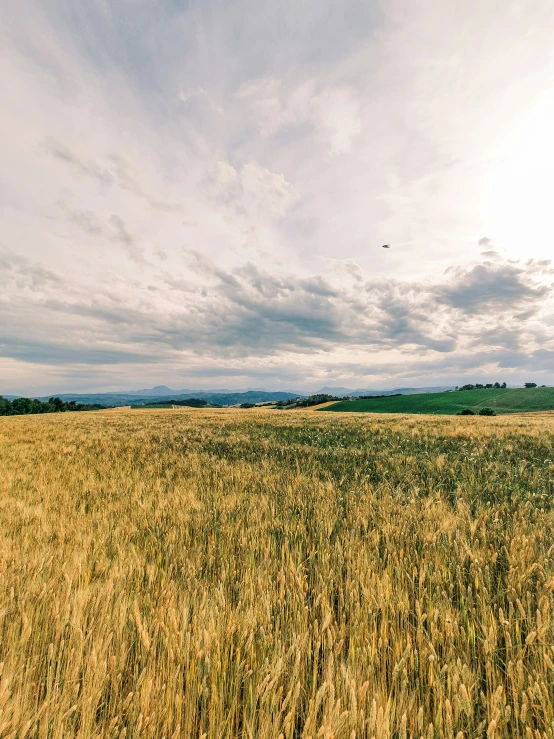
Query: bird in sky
point(386, 246)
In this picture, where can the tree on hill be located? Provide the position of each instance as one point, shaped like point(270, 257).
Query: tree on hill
point(316, 400)
point(530, 384)
point(188, 402)
point(480, 386)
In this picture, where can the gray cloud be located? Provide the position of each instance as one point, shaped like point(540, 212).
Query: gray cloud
point(114, 230)
point(488, 288)
point(122, 235)
point(64, 153)
point(26, 273)
point(59, 353)
point(509, 337)
point(250, 312)
point(85, 220)
point(119, 170)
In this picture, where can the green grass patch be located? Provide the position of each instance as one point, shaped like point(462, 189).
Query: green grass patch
point(502, 400)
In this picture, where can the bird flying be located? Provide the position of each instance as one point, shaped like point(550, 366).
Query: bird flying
point(386, 246)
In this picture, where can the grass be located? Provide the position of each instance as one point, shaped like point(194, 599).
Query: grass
point(509, 400)
point(232, 574)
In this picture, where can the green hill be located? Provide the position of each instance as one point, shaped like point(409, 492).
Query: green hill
point(505, 400)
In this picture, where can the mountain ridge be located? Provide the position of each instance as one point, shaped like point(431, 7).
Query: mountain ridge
point(344, 391)
point(215, 398)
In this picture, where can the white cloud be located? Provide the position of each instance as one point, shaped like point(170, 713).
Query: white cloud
point(284, 139)
point(253, 189)
point(332, 113)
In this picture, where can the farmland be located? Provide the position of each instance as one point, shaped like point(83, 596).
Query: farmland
point(264, 574)
point(502, 400)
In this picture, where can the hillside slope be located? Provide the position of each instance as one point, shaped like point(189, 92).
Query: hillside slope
point(507, 400)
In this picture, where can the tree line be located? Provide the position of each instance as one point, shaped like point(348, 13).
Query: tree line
point(479, 386)
point(306, 402)
point(496, 386)
point(27, 406)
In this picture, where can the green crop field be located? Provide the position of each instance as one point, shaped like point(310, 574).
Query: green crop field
point(505, 400)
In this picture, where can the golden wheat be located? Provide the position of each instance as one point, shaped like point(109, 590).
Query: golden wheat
point(269, 574)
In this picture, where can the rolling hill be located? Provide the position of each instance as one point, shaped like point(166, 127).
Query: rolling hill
point(344, 391)
point(212, 397)
point(503, 400)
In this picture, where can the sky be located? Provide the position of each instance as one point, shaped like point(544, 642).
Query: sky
point(196, 192)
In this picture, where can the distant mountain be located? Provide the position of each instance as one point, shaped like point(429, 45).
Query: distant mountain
point(342, 391)
point(216, 398)
point(339, 392)
point(251, 396)
point(153, 392)
point(404, 390)
point(165, 391)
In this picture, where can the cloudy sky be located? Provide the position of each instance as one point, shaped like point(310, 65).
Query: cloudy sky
point(195, 193)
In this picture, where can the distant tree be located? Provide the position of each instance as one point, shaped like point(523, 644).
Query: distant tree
point(530, 384)
point(37, 406)
point(22, 406)
point(503, 385)
point(57, 404)
point(497, 385)
point(489, 385)
point(315, 400)
point(466, 412)
point(188, 402)
point(247, 405)
point(25, 406)
point(467, 387)
point(486, 412)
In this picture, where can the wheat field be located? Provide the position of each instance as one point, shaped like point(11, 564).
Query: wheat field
point(266, 574)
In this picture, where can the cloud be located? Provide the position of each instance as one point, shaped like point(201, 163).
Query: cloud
point(333, 113)
point(207, 186)
point(119, 170)
point(22, 273)
point(487, 288)
point(123, 237)
point(251, 190)
point(251, 314)
point(114, 230)
point(67, 155)
point(60, 353)
point(85, 220)
point(201, 96)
